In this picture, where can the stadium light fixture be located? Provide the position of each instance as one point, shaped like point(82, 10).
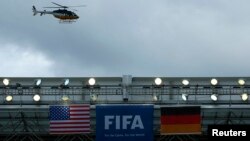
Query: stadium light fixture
point(184, 97)
point(158, 81)
point(20, 91)
point(38, 82)
point(244, 96)
point(65, 98)
point(185, 82)
point(241, 82)
point(8, 98)
point(36, 97)
point(6, 82)
point(93, 97)
point(214, 97)
point(66, 82)
point(214, 81)
point(91, 81)
point(155, 97)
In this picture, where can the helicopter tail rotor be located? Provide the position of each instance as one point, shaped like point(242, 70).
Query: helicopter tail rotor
point(34, 10)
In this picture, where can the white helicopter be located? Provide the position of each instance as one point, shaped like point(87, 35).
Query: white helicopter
point(62, 14)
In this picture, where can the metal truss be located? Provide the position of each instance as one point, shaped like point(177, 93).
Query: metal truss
point(20, 126)
point(23, 137)
point(179, 138)
point(77, 137)
point(28, 120)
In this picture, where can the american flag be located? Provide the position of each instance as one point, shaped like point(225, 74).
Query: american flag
point(72, 119)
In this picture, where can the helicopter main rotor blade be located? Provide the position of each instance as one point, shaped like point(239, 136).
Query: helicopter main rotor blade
point(78, 6)
point(52, 7)
point(59, 5)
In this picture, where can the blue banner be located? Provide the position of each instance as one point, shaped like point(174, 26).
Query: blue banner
point(124, 123)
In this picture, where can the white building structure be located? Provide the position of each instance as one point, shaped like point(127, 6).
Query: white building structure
point(24, 101)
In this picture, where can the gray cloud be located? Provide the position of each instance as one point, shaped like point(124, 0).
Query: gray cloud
point(142, 38)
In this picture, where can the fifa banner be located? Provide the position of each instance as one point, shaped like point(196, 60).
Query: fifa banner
point(124, 123)
point(180, 120)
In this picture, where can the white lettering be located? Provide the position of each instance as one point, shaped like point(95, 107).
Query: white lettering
point(215, 131)
point(107, 121)
point(137, 123)
point(244, 133)
point(117, 121)
point(123, 122)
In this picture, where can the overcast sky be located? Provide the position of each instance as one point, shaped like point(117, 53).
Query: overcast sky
point(137, 37)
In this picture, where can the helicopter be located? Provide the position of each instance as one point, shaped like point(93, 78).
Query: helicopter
point(63, 14)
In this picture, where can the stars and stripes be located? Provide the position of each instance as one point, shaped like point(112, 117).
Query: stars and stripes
point(72, 119)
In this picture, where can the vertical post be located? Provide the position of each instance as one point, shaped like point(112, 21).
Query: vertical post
point(126, 82)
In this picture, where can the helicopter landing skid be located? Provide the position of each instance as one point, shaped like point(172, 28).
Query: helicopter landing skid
point(66, 21)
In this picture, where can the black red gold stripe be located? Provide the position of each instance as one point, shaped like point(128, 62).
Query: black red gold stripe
point(190, 110)
point(180, 120)
point(181, 129)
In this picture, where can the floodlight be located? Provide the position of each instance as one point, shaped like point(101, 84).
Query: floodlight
point(244, 96)
point(65, 98)
point(92, 81)
point(8, 98)
point(241, 82)
point(155, 97)
point(93, 97)
point(214, 81)
point(66, 82)
point(6, 82)
point(38, 82)
point(214, 97)
point(36, 97)
point(158, 81)
point(184, 97)
point(185, 82)
point(20, 91)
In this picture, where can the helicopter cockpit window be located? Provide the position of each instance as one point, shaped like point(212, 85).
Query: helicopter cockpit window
point(70, 14)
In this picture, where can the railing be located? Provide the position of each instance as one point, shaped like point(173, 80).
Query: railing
point(167, 94)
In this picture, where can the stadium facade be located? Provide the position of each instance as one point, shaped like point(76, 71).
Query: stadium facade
point(25, 102)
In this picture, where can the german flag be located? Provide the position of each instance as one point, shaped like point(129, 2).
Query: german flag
point(181, 120)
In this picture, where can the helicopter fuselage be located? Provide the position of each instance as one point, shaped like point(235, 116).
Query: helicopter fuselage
point(64, 14)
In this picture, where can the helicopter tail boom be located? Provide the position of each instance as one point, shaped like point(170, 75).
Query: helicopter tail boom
point(41, 12)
